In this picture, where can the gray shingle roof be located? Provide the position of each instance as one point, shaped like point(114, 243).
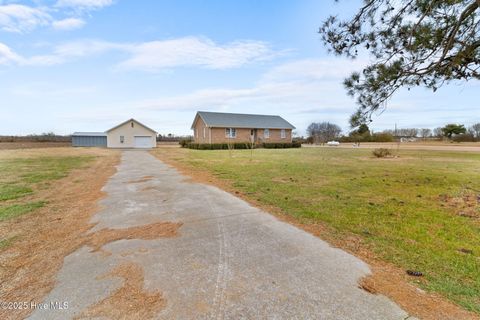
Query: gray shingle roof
point(238, 120)
point(90, 134)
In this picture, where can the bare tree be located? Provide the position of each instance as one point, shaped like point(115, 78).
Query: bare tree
point(230, 146)
point(408, 132)
point(425, 133)
point(322, 132)
point(476, 130)
point(437, 132)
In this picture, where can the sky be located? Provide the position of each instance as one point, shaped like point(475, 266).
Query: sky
point(87, 65)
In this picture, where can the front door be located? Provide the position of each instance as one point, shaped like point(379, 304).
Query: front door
point(253, 135)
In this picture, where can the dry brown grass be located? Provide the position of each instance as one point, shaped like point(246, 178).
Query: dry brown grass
point(44, 237)
point(31, 145)
point(466, 204)
point(146, 232)
point(142, 179)
point(54, 152)
point(130, 301)
point(392, 282)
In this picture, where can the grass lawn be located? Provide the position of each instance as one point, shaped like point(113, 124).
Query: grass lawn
point(21, 178)
point(420, 211)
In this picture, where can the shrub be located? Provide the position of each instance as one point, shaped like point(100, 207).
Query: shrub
point(300, 140)
point(466, 137)
point(382, 137)
point(376, 137)
point(218, 146)
point(183, 143)
point(281, 145)
point(239, 145)
point(381, 153)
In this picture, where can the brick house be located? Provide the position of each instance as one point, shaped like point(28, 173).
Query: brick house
point(216, 127)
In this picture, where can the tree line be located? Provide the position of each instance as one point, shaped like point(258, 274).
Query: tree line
point(322, 132)
point(43, 137)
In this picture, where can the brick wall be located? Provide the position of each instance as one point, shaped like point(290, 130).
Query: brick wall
point(203, 134)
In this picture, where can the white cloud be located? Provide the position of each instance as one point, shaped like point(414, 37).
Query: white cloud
point(303, 87)
point(68, 24)
point(65, 15)
point(306, 81)
point(20, 18)
point(206, 98)
point(61, 54)
point(84, 4)
point(84, 48)
point(157, 55)
point(303, 91)
point(7, 56)
point(195, 51)
point(42, 90)
point(314, 69)
point(297, 97)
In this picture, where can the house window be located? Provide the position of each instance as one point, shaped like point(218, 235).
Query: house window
point(230, 132)
point(122, 139)
point(283, 134)
point(132, 124)
point(204, 133)
point(266, 133)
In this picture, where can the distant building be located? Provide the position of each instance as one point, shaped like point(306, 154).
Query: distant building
point(217, 127)
point(128, 134)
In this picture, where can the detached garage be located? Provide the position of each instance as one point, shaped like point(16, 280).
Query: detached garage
point(131, 134)
point(128, 134)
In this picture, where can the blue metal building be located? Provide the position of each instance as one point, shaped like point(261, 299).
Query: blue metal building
point(89, 139)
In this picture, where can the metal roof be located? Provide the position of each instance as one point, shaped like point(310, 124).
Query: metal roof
point(121, 124)
point(90, 134)
point(239, 120)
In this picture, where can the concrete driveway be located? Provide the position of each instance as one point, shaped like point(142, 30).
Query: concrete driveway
point(229, 260)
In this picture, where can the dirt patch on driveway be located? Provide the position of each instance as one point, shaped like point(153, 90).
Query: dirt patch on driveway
point(147, 232)
point(386, 279)
point(130, 301)
point(142, 179)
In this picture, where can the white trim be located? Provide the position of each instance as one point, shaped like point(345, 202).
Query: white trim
point(266, 133)
point(125, 122)
point(283, 134)
point(230, 133)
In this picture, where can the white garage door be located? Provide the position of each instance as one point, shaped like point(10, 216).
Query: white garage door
point(143, 141)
